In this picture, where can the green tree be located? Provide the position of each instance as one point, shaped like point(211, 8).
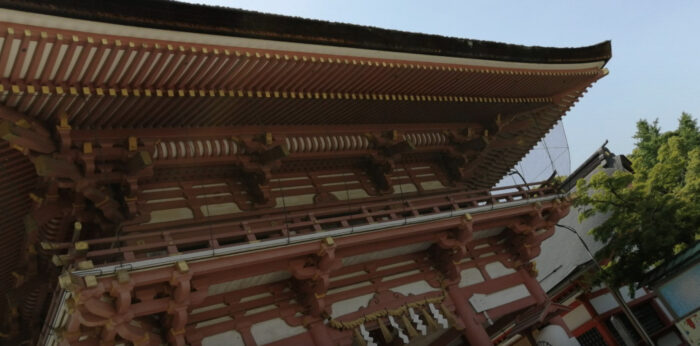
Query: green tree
point(654, 211)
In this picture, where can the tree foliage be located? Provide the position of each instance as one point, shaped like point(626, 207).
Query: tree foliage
point(654, 211)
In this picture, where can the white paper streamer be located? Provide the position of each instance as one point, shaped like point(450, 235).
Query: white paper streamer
point(366, 336)
point(403, 336)
point(419, 323)
point(441, 320)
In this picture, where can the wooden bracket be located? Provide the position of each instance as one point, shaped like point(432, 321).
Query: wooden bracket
point(26, 138)
point(378, 170)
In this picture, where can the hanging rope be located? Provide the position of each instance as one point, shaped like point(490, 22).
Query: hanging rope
point(402, 310)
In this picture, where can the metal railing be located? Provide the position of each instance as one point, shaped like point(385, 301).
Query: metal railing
point(173, 238)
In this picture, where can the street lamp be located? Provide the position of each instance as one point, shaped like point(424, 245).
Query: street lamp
point(615, 292)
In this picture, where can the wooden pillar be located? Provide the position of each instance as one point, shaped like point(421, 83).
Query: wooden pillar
point(473, 330)
point(533, 286)
point(247, 335)
point(319, 333)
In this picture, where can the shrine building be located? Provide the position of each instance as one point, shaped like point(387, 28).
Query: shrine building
point(192, 175)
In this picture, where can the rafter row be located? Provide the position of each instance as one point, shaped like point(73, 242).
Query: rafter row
point(89, 91)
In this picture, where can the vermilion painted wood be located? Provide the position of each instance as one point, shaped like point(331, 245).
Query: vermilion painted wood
point(141, 88)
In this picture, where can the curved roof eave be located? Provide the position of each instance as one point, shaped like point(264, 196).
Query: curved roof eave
point(172, 15)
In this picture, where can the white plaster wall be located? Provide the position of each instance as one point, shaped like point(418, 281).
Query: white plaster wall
point(432, 185)
point(171, 215)
point(470, 277)
point(607, 302)
point(577, 317)
point(348, 287)
point(248, 282)
point(604, 303)
point(497, 269)
point(394, 265)
point(291, 201)
point(487, 233)
point(230, 338)
point(563, 251)
point(400, 275)
point(482, 302)
point(207, 308)
point(219, 209)
point(260, 309)
point(404, 188)
point(213, 321)
point(415, 288)
point(386, 253)
point(256, 296)
point(350, 194)
point(274, 330)
point(555, 335)
point(347, 306)
point(347, 276)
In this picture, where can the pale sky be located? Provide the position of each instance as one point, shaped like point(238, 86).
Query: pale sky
point(654, 72)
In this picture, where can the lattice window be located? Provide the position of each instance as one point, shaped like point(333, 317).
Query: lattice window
point(591, 338)
point(646, 315)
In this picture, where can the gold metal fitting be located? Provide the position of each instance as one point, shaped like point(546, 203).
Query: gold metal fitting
point(82, 265)
point(182, 266)
point(65, 281)
point(63, 122)
point(90, 281)
point(123, 276)
point(133, 143)
point(82, 246)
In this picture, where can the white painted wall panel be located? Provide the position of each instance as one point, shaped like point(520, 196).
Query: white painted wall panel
point(470, 277)
point(497, 269)
point(577, 317)
point(415, 288)
point(230, 338)
point(347, 306)
point(273, 330)
point(604, 303)
point(482, 302)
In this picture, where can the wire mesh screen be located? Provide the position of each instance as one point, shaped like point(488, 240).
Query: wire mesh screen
point(550, 155)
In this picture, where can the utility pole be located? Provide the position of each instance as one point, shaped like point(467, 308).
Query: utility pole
point(615, 293)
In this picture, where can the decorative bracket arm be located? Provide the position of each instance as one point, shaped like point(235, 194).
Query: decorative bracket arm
point(256, 178)
point(452, 248)
point(313, 277)
point(378, 170)
point(391, 145)
point(26, 138)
